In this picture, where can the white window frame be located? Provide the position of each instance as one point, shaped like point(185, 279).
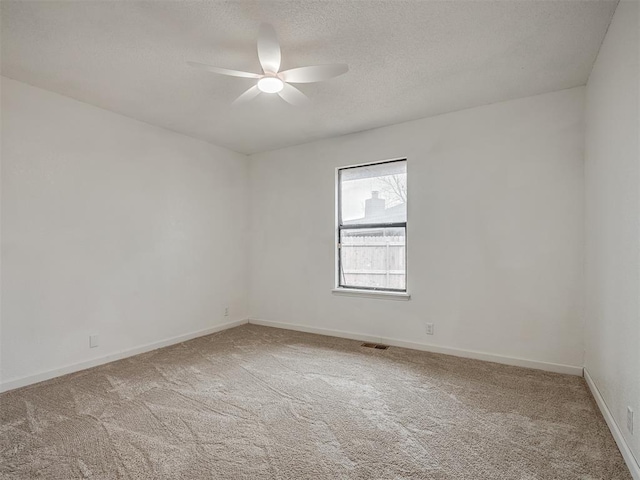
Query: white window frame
point(371, 292)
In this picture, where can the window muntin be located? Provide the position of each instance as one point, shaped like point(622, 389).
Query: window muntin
point(372, 225)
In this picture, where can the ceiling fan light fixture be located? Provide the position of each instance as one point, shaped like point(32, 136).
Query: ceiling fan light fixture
point(272, 80)
point(270, 84)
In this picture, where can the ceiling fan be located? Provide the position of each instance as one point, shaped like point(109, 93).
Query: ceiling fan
point(273, 81)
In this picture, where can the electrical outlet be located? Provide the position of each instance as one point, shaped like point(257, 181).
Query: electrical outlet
point(630, 420)
point(226, 311)
point(94, 341)
point(429, 328)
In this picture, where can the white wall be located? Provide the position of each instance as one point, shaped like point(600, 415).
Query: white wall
point(496, 239)
point(612, 333)
point(111, 226)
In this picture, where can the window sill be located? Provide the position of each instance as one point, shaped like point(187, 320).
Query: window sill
point(379, 294)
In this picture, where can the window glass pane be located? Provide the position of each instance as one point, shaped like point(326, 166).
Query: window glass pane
point(373, 258)
point(374, 194)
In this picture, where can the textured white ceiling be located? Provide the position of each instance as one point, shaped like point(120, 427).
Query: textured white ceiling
point(408, 59)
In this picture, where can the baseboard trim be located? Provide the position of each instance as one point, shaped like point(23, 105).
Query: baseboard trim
point(627, 454)
point(488, 357)
point(112, 357)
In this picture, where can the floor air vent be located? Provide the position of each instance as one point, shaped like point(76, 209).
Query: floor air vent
point(375, 345)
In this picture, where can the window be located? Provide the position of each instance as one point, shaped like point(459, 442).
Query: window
point(372, 226)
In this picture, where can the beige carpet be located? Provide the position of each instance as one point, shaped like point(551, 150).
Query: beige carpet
point(262, 403)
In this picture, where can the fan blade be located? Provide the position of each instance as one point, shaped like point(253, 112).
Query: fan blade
point(268, 49)
point(292, 95)
point(250, 94)
point(224, 71)
point(316, 73)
